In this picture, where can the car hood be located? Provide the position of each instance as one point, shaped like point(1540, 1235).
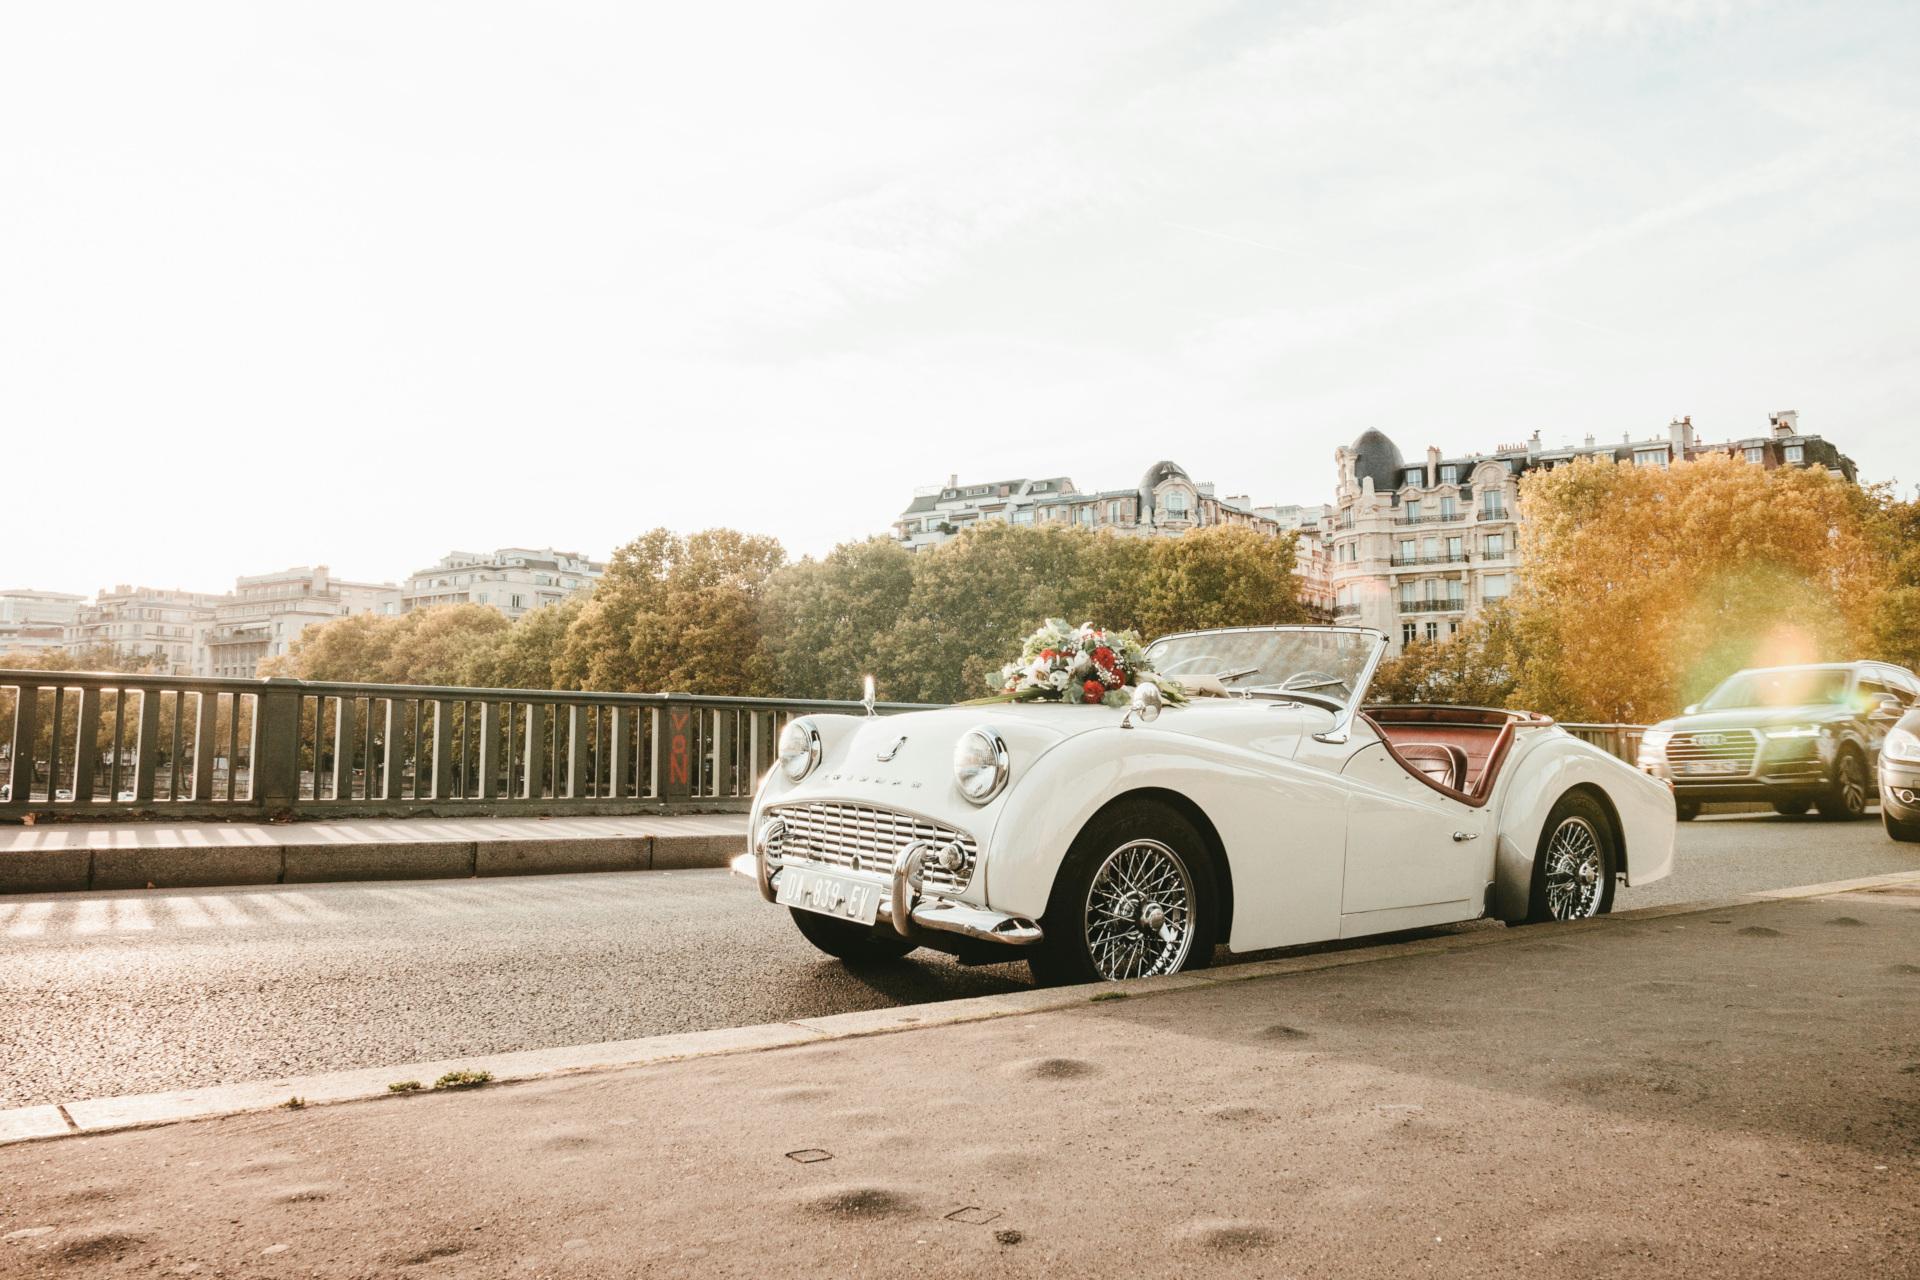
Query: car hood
point(1754, 718)
point(917, 774)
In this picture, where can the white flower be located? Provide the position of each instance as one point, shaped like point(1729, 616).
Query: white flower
point(1082, 664)
point(1060, 680)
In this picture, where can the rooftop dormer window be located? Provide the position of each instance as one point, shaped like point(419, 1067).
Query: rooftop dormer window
point(1449, 475)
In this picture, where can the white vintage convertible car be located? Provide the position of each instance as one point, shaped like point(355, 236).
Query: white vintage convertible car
point(1271, 809)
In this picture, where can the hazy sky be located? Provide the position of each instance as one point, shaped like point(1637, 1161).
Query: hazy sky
point(286, 284)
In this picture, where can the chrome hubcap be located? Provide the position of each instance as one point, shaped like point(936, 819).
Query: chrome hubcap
point(1140, 912)
point(1573, 871)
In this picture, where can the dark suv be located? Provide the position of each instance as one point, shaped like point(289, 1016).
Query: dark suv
point(1799, 737)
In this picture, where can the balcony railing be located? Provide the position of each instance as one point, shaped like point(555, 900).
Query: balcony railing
point(1433, 606)
point(1494, 513)
point(1436, 518)
point(1346, 611)
point(1403, 562)
point(1493, 555)
point(105, 745)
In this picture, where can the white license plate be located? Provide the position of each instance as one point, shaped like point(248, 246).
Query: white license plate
point(1712, 766)
point(830, 895)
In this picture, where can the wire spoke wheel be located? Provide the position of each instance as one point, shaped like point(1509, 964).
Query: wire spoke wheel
point(1139, 912)
point(1575, 870)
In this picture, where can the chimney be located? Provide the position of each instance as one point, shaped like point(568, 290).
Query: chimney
point(1589, 443)
point(320, 580)
point(1785, 423)
point(1533, 444)
point(1433, 466)
point(953, 481)
point(1680, 432)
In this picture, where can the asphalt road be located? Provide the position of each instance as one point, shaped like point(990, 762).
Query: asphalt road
point(106, 994)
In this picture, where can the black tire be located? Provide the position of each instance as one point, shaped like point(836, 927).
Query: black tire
point(1575, 864)
point(853, 943)
point(1686, 810)
point(1792, 808)
point(1905, 832)
point(1131, 838)
point(1846, 799)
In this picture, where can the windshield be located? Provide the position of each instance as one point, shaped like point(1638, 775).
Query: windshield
point(1320, 663)
point(1801, 688)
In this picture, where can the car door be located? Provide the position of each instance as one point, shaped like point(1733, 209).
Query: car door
point(1409, 847)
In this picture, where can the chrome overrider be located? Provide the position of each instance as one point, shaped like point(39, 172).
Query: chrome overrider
point(922, 913)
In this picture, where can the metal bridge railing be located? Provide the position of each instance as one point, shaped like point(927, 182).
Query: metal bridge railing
point(1622, 740)
point(102, 745)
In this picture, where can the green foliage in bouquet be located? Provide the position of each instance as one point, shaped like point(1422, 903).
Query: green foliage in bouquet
point(1084, 664)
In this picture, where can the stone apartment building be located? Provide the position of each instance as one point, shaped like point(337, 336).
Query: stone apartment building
point(162, 627)
point(1419, 547)
point(267, 611)
point(1166, 502)
point(31, 620)
point(513, 580)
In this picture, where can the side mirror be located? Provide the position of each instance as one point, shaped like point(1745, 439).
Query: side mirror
point(1887, 707)
point(1146, 705)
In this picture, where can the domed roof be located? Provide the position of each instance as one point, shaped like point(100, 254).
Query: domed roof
point(1375, 455)
point(1157, 474)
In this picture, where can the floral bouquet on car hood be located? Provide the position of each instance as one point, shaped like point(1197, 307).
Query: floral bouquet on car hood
point(1061, 663)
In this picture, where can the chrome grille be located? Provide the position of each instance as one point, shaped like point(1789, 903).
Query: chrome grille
point(1737, 745)
point(863, 838)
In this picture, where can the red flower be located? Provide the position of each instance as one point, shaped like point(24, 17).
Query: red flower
point(1094, 690)
point(1103, 656)
point(1048, 655)
point(1113, 679)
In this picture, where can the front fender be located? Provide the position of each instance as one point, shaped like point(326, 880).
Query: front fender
point(1552, 765)
point(1282, 825)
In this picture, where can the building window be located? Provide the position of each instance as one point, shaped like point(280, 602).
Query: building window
point(1177, 505)
point(1416, 478)
point(516, 602)
point(1023, 516)
point(1346, 517)
point(1496, 546)
point(483, 597)
point(1449, 475)
point(1409, 632)
point(1756, 456)
point(1446, 508)
point(1433, 631)
point(1085, 515)
point(1430, 551)
point(1113, 513)
point(1494, 587)
point(1492, 507)
point(1796, 453)
point(1454, 555)
point(1456, 593)
point(1413, 513)
point(1406, 593)
point(1649, 457)
point(1406, 550)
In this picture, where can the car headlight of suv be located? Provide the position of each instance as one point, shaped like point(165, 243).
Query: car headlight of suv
point(1653, 747)
point(980, 764)
point(1797, 731)
point(799, 748)
point(1901, 744)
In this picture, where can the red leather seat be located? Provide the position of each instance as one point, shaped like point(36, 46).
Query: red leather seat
point(1445, 763)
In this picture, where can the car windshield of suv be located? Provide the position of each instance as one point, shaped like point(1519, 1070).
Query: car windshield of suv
point(1779, 689)
point(1322, 664)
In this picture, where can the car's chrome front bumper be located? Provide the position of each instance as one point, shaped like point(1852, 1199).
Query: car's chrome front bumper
point(922, 914)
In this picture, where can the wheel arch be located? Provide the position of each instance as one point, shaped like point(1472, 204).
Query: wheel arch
point(1216, 847)
point(1607, 806)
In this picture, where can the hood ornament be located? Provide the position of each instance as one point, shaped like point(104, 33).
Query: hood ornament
point(890, 752)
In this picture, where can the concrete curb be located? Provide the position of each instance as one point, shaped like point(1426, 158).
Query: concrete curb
point(251, 861)
point(105, 1115)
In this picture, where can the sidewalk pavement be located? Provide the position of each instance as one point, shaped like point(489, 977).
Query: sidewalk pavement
point(128, 855)
point(1709, 1089)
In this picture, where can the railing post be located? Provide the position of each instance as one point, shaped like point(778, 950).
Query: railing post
point(343, 744)
point(87, 753)
point(26, 726)
point(489, 751)
point(723, 744)
point(206, 742)
point(622, 758)
point(442, 749)
point(676, 778)
point(393, 784)
point(275, 764)
point(576, 752)
point(533, 783)
point(146, 751)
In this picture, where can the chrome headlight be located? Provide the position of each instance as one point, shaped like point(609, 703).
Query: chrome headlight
point(1796, 731)
point(980, 764)
point(799, 748)
point(1901, 744)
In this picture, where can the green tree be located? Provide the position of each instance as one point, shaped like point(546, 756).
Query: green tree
point(1478, 666)
point(827, 621)
point(447, 645)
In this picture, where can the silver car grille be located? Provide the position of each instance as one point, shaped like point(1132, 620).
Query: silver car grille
point(864, 838)
point(1737, 745)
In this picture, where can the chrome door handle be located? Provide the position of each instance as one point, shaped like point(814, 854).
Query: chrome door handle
point(1461, 837)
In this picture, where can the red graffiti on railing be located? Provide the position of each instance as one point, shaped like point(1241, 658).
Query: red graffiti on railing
point(678, 769)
